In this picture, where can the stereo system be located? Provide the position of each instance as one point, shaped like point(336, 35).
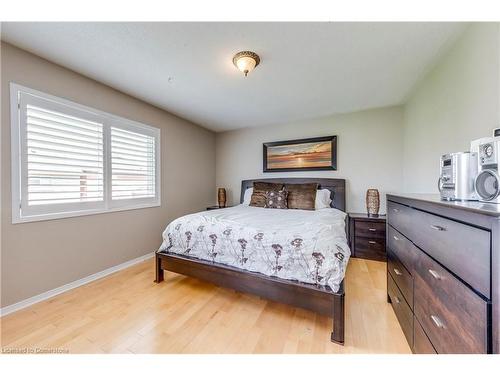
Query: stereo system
point(458, 171)
point(472, 175)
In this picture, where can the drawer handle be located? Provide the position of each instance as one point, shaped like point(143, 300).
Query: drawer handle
point(438, 228)
point(396, 238)
point(436, 275)
point(397, 272)
point(397, 300)
point(372, 229)
point(437, 321)
point(372, 242)
point(395, 210)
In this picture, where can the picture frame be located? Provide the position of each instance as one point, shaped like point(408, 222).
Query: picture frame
point(307, 154)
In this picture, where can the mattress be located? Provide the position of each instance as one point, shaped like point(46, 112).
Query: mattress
point(299, 245)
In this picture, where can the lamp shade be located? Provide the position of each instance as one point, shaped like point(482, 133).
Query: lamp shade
point(246, 64)
point(246, 61)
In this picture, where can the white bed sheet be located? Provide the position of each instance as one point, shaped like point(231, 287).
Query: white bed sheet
point(301, 245)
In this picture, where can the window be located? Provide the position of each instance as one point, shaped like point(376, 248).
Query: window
point(132, 165)
point(70, 160)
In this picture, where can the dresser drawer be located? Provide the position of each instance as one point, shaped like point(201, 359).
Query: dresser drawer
point(399, 217)
point(369, 229)
point(401, 309)
point(404, 250)
point(421, 343)
point(401, 276)
point(464, 250)
point(368, 248)
point(452, 315)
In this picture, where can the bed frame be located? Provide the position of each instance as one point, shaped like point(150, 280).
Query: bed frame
point(320, 299)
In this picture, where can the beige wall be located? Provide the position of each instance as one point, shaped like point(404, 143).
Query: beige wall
point(369, 152)
point(458, 101)
point(40, 256)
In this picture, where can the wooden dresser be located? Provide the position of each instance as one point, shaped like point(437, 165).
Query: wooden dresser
point(367, 236)
point(443, 273)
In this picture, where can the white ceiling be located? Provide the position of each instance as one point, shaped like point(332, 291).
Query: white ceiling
point(307, 69)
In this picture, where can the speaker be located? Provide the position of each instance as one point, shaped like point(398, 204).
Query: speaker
point(487, 182)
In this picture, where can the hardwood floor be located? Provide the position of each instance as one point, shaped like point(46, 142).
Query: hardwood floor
point(127, 313)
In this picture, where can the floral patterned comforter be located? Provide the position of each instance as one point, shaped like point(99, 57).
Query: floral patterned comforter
point(306, 246)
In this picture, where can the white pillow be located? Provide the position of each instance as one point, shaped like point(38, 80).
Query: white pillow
point(247, 196)
point(322, 199)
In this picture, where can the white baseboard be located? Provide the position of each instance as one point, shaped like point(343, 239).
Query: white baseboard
point(75, 284)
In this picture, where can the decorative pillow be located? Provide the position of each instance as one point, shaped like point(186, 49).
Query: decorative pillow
point(322, 199)
point(276, 199)
point(301, 196)
point(247, 196)
point(259, 192)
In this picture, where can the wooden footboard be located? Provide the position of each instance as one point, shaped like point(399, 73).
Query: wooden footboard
point(315, 298)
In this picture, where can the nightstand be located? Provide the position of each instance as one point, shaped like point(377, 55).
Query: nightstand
point(367, 236)
point(216, 207)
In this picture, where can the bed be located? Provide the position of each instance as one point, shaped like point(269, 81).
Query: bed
point(296, 257)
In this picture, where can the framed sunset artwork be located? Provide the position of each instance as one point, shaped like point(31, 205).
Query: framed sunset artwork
point(310, 154)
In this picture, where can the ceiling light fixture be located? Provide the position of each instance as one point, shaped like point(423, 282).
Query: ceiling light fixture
point(246, 61)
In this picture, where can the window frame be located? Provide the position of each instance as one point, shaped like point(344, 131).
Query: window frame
point(21, 213)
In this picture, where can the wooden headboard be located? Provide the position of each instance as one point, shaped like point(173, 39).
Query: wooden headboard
point(335, 185)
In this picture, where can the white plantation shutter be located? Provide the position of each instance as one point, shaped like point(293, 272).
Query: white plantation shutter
point(64, 157)
point(132, 165)
point(71, 160)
